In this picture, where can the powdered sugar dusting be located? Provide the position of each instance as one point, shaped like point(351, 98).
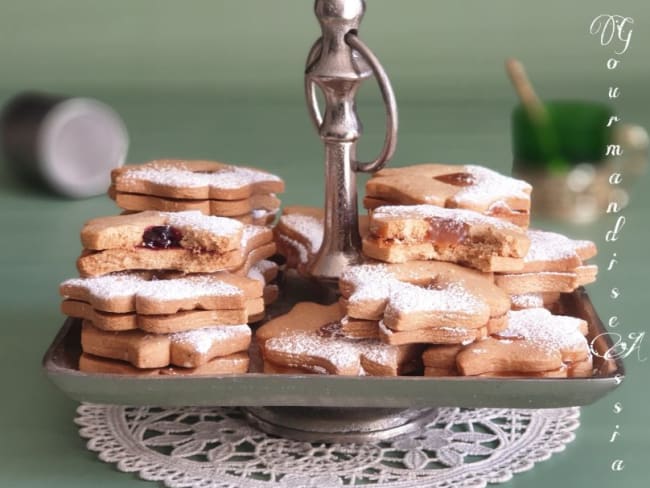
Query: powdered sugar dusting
point(259, 269)
point(236, 177)
point(303, 255)
point(168, 176)
point(540, 326)
point(407, 298)
point(374, 282)
point(124, 285)
point(109, 286)
point(370, 281)
point(197, 221)
point(265, 265)
point(440, 213)
point(384, 330)
point(256, 275)
point(549, 246)
point(583, 246)
point(228, 178)
point(249, 233)
point(342, 353)
point(185, 288)
point(307, 226)
point(527, 300)
point(260, 213)
point(202, 340)
point(490, 185)
point(500, 205)
point(342, 356)
point(380, 353)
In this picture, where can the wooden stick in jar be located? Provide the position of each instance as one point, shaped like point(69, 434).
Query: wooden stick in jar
point(538, 114)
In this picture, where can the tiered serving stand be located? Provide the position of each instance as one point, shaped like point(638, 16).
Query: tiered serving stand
point(338, 408)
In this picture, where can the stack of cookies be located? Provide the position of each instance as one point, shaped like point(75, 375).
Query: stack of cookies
point(298, 236)
point(449, 186)
point(164, 292)
point(554, 264)
point(452, 270)
point(244, 194)
point(315, 339)
point(536, 344)
point(186, 242)
point(454, 283)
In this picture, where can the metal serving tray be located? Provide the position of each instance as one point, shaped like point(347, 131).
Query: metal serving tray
point(257, 389)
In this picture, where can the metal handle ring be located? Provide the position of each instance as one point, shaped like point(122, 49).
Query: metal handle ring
point(390, 141)
point(310, 93)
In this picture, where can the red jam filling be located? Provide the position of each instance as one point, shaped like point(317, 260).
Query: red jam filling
point(161, 237)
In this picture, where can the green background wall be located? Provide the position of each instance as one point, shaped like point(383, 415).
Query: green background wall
point(221, 58)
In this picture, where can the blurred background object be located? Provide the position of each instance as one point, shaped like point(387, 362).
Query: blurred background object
point(579, 190)
point(189, 84)
point(541, 128)
point(569, 149)
point(67, 145)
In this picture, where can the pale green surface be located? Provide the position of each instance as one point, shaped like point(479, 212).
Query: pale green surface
point(186, 77)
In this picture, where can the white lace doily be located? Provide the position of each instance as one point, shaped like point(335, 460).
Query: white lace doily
point(216, 448)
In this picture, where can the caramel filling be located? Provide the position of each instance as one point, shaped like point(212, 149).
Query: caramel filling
point(447, 233)
point(457, 179)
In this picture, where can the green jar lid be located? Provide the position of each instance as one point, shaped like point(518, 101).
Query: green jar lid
point(577, 131)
